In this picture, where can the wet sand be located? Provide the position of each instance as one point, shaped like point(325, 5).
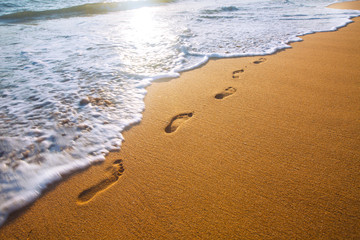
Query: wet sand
point(246, 148)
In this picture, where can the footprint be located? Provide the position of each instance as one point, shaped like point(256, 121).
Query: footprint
point(236, 73)
point(177, 121)
point(260, 60)
point(227, 92)
point(115, 172)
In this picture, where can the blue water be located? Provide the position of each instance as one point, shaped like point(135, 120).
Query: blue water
point(73, 73)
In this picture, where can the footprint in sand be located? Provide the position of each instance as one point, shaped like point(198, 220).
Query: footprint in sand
point(236, 74)
point(177, 121)
point(227, 92)
point(115, 172)
point(260, 60)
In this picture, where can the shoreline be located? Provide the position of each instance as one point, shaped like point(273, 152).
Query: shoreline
point(185, 190)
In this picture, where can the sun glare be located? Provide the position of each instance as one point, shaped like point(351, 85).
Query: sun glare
point(143, 26)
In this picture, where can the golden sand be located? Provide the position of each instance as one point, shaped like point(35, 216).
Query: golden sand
point(246, 148)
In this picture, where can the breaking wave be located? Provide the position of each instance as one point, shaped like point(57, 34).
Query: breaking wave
point(80, 10)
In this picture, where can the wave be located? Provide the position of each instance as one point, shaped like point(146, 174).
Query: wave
point(221, 10)
point(80, 10)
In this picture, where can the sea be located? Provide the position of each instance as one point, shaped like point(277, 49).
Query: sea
point(73, 74)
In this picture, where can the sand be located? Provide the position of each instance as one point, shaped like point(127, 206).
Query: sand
point(246, 148)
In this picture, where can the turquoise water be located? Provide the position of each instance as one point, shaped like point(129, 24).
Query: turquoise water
point(73, 73)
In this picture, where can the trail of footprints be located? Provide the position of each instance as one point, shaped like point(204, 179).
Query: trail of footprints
point(237, 73)
point(115, 171)
point(179, 119)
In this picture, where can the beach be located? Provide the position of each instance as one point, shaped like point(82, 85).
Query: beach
point(264, 147)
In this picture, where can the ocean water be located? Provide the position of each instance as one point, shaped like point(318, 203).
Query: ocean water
point(73, 73)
